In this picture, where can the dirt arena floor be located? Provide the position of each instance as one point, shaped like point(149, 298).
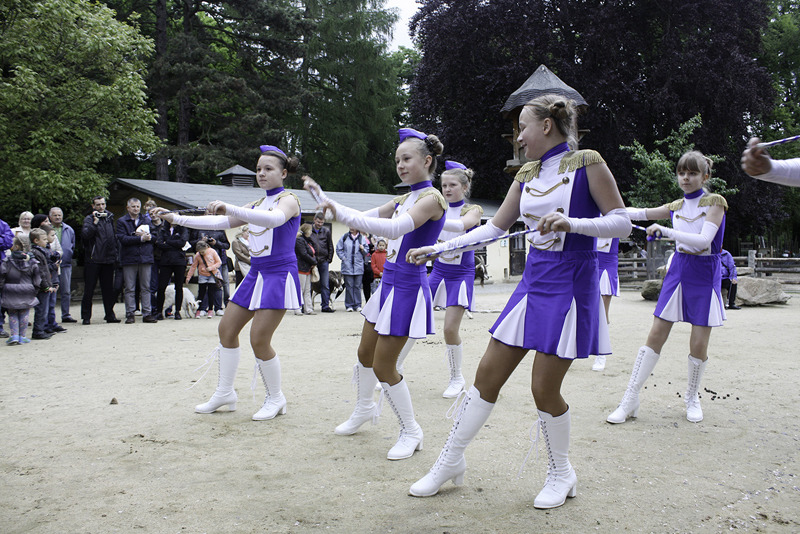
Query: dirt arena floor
point(99, 435)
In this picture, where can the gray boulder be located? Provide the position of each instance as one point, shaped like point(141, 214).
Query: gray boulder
point(756, 291)
point(651, 289)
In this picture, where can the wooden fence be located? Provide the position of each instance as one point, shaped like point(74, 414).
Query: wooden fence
point(636, 270)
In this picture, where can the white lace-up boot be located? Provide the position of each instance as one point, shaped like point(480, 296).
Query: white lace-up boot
point(225, 394)
point(692, 399)
point(410, 438)
point(274, 401)
point(561, 480)
point(599, 363)
point(454, 356)
point(366, 408)
point(469, 416)
point(645, 362)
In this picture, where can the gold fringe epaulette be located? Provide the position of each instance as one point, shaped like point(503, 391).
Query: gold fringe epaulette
point(675, 205)
point(439, 197)
point(466, 208)
point(289, 193)
point(529, 171)
point(712, 199)
point(255, 203)
point(400, 199)
point(572, 161)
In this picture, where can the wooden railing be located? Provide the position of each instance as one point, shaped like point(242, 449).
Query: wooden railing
point(634, 270)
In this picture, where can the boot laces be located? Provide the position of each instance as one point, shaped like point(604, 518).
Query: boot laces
point(534, 444)
point(214, 355)
point(454, 413)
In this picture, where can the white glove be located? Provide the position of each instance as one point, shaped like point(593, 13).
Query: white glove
point(615, 223)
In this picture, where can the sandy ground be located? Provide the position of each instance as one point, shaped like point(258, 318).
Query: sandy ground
point(74, 462)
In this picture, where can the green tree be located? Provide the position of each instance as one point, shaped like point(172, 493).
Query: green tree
point(655, 183)
point(72, 92)
point(347, 128)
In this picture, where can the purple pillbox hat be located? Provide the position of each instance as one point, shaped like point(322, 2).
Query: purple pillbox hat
point(271, 148)
point(405, 133)
point(448, 165)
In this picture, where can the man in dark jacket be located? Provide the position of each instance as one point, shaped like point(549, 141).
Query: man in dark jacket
point(218, 240)
point(170, 240)
point(100, 247)
point(323, 249)
point(134, 233)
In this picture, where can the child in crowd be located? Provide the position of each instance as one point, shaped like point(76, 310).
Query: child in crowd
point(378, 259)
point(207, 263)
point(54, 265)
point(20, 280)
point(38, 237)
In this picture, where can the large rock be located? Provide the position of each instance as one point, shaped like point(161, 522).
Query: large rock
point(651, 289)
point(756, 291)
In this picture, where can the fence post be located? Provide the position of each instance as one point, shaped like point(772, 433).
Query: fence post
point(751, 261)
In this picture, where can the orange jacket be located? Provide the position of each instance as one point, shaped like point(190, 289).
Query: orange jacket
point(212, 259)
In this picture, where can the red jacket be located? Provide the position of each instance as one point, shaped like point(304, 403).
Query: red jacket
point(378, 259)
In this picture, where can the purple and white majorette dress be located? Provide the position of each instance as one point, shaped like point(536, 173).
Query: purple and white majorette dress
point(608, 265)
point(401, 306)
point(556, 308)
point(453, 276)
point(691, 288)
point(273, 282)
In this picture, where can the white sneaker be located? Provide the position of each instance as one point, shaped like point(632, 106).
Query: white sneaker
point(137, 312)
point(358, 308)
point(221, 313)
point(349, 309)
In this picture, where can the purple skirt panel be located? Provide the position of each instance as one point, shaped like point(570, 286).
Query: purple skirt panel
point(452, 285)
point(556, 308)
point(402, 305)
point(691, 291)
point(271, 284)
point(609, 276)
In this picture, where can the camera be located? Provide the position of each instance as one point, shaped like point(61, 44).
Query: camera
point(100, 214)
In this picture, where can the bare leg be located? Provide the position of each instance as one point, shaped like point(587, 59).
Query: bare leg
point(658, 335)
point(546, 377)
point(698, 342)
point(231, 325)
point(607, 305)
point(452, 324)
point(263, 328)
point(496, 366)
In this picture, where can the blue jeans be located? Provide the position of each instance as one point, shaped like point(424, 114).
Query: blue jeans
point(352, 294)
point(65, 289)
point(324, 285)
point(51, 311)
point(41, 310)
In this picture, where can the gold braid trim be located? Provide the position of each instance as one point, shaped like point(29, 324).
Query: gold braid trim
point(712, 199)
point(466, 208)
point(439, 197)
point(572, 161)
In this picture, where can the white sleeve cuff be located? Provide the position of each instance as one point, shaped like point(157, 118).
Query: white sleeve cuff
point(487, 231)
point(637, 214)
point(783, 172)
point(615, 223)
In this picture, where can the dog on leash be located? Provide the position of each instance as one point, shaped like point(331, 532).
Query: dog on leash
point(335, 284)
point(189, 306)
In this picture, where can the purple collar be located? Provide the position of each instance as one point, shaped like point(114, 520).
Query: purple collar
point(457, 204)
point(421, 185)
point(695, 194)
point(555, 151)
point(273, 192)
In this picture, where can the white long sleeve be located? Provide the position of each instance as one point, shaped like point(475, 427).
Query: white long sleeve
point(453, 225)
point(637, 214)
point(487, 231)
point(699, 241)
point(391, 228)
point(783, 172)
point(206, 222)
point(615, 223)
point(267, 219)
